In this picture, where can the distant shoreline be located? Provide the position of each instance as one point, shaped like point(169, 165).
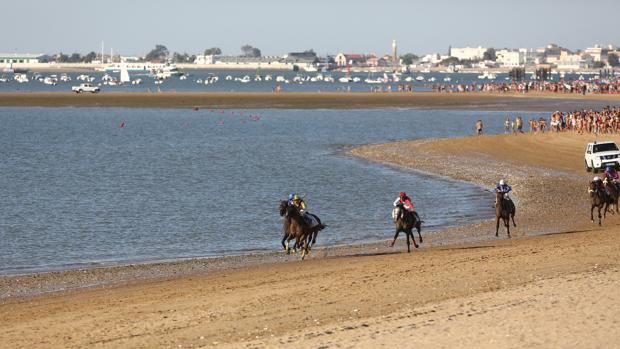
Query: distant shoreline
point(317, 100)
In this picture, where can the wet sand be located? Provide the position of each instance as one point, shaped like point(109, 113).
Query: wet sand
point(238, 100)
point(554, 284)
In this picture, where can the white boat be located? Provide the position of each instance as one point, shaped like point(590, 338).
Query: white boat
point(328, 78)
point(310, 68)
point(49, 80)
point(345, 79)
point(280, 78)
point(432, 79)
point(487, 75)
point(228, 77)
point(447, 79)
point(268, 77)
point(65, 78)
point(183, 77)
point(125, 74)
point(244, 79)
point(21, 78)
point(167, 71)
point(419, 78)
point(199, 81)
point(136, 82)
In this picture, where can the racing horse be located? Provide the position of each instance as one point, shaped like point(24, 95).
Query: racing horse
point(504, 210)
point(598, 199)
point(611, 188)
point(295, 226)
point(405, 221)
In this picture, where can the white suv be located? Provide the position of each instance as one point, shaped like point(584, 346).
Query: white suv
point(600, 155)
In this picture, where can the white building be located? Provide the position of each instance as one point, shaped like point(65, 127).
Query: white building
point(509, 58)
point(574, 62)
point(468, 53)
point(19, 58)
point(204, 59)
point(532, 56)
point(595, 52)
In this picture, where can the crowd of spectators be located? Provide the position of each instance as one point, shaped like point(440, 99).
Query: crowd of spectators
point(603, 121)
point(603, 86)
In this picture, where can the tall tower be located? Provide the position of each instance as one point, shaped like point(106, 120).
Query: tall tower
point(394, 52)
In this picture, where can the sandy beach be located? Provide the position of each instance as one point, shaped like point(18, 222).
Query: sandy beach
point(554, 284)
point(295, 100)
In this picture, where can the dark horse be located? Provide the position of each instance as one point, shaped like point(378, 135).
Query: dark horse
point(504, 209)
point(613, 194)
point(405, 221)
point(598, 199)
point(296, 227)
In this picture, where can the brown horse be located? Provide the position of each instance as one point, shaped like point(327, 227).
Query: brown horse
point(598, 199)
point(504, 210)
point(612, 193)
point(405, 221)
point(296, 227)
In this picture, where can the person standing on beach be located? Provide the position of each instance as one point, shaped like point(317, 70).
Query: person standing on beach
point(507, 125)
point(479, 127)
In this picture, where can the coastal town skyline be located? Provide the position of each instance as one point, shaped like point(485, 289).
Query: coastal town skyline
point(196, 26)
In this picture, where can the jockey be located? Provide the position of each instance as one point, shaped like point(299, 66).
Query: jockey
point(502, 187)
point(598, 182)
point(405, 201)
point(611, 173)
point(295, 200)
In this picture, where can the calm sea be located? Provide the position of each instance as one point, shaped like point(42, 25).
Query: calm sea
point(95, 186)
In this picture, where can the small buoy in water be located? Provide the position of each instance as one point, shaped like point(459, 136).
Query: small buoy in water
point(221, 122)
point(122, 124)
point(196, 108)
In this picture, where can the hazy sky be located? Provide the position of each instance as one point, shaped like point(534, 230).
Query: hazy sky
point(133, 27)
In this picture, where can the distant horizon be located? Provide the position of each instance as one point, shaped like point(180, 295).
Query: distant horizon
point(277, 27)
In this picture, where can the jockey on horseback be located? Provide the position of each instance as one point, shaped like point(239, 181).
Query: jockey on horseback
point(295, 200)
point(503, 187)
point(405, 202)
point(599, 183)
point(611, 174)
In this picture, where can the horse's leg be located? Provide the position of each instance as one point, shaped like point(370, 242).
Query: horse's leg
point(283, 242)
point(395, 237)
point(507, 224)
point(592, 213)
point(599, 215)
point(497, 226)
point(408, 243)
point(413, 238)
point(418, 227)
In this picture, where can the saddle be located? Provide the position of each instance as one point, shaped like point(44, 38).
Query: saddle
point(398, 212)
point(310, 219)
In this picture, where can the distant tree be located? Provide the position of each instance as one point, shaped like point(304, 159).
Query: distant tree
point(180, 58)
point(91, 56)
point(250, 51)
point(613, 60)
point(489, 55)
point(408, 58)
point(75, 58)
point(60, 58)
point(192, 58)
point(158, 54)
point(449, 61)
point(213, 51)
point(309, 51)
point(598, 65)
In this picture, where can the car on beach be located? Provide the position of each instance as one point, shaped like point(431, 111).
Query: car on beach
point(599, 155)
point(86, 87)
